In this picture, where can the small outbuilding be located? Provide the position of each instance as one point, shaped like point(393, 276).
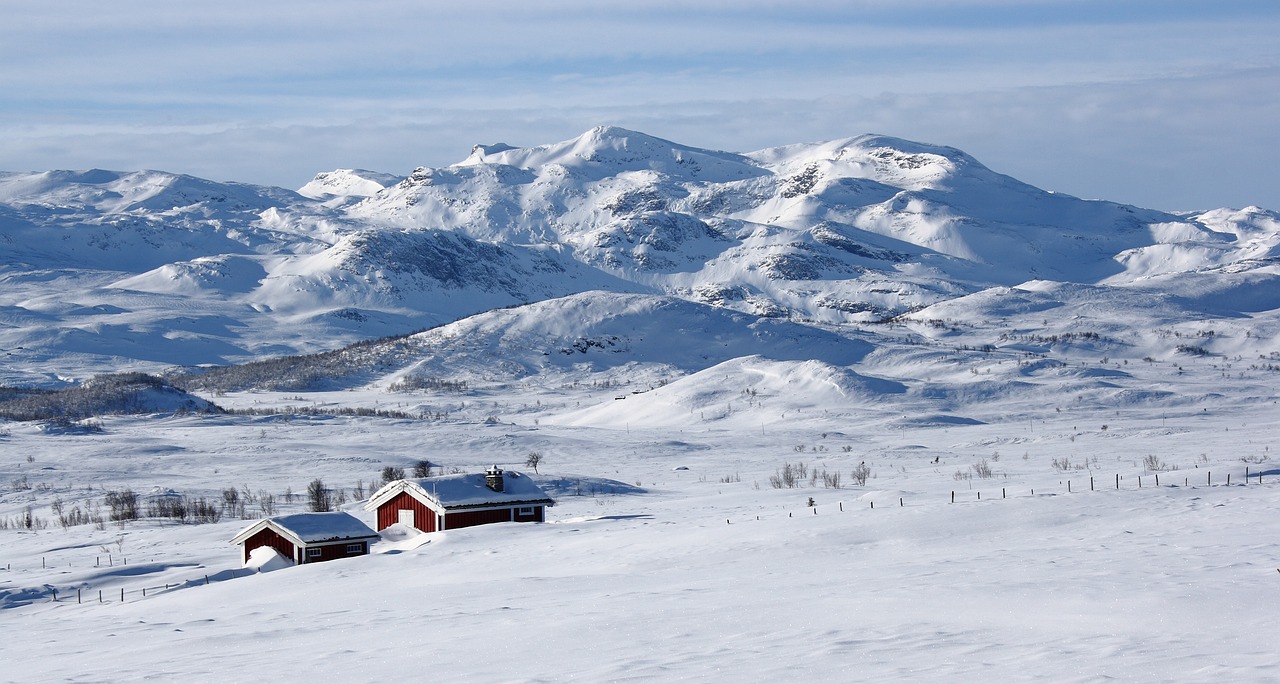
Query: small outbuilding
point(448, 502)
point(308, 537)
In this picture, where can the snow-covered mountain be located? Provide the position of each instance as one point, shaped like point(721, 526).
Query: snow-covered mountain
point(107, 270)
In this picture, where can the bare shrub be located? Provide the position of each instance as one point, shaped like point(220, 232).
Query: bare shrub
point(1153, 463)
point(982, 469)
point(830, 480)
point(1062, 464)
point(266, 503)
point(788, 477)
point(860, 474)
point(203, 511)
point(123, 505)
point(962, 475)
point(73, 517)
point(422, 468)
point(731, 478)
point(169, 506)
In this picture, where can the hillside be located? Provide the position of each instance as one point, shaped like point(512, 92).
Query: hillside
point(862, 406)
point(107, 271)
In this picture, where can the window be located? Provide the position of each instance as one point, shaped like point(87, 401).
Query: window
point(526, 510)
point(313, 553)
point(355, 548)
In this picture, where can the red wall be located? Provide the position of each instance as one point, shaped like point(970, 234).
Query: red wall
point(268, 537)
point(425, 518)
point(389, 513)
point(453, 521)
point(334, 552)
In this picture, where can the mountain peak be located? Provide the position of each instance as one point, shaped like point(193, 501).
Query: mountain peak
point(347, 183)
point(609, 150)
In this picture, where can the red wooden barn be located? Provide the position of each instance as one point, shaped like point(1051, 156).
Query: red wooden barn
point(449, 502)
point(308, 537)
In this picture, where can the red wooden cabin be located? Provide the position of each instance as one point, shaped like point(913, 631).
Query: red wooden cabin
point(448, 502)
point(308, 537)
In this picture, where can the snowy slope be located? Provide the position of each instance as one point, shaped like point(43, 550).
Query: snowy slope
point(1014, 415)
point(106, 270)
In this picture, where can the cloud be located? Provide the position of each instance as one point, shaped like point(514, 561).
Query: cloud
point(274, 92)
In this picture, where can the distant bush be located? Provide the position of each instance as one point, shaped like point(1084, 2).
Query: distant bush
point(860, 474)
point(319, 499)
point(391, 474)
point(789, 476)
point(123, 505)
point(307, 371)
point(113, 394)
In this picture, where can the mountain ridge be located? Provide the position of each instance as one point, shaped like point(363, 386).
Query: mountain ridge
point(846, 232)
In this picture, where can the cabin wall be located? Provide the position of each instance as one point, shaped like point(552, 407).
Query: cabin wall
point(269, 537)
point(389, 513)
point(334, 551)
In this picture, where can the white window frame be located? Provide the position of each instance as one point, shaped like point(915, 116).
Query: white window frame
point(525, 510)
point(314, 552)
point(357, 547)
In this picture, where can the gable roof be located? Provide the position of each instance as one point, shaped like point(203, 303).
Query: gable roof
point(464, 490)
point(311, 528)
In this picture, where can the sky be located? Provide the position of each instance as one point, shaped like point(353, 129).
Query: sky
point(1168, 104)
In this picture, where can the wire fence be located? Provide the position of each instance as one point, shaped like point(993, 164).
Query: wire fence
point(1066, 486)
point(84, 593)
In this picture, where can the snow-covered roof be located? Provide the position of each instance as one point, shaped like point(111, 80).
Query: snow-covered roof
point(465, 490)
point(311, 528)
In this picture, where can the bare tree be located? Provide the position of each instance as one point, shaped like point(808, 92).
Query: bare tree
point(318, 497)
point(391, 474)
point(533, 460)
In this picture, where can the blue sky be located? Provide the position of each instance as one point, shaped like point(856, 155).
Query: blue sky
point(1170, 104)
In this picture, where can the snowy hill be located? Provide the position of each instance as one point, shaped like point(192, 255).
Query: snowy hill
point(857, 406)
point(108, 270)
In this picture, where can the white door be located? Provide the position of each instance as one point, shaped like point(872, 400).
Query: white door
point(406, 517)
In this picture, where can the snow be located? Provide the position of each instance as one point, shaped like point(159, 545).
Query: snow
point(313, 527)
point(689, 574)
point(267, 559)
point(463, 490)
point(676, 329)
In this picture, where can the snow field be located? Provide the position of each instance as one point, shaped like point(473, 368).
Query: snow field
point(678, 580)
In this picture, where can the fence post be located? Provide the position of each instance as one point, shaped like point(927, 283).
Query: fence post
point(1091, 483)
point(1068, 486)
point(1117, 480)
point(842, 507)
point(1002, 494)
point(1209, 479)
point(1157, 479)
point(77, 595)
point(1228, 479)
point(953, 496)
point(99, 596)
point(900, 504)
point(122, 594)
